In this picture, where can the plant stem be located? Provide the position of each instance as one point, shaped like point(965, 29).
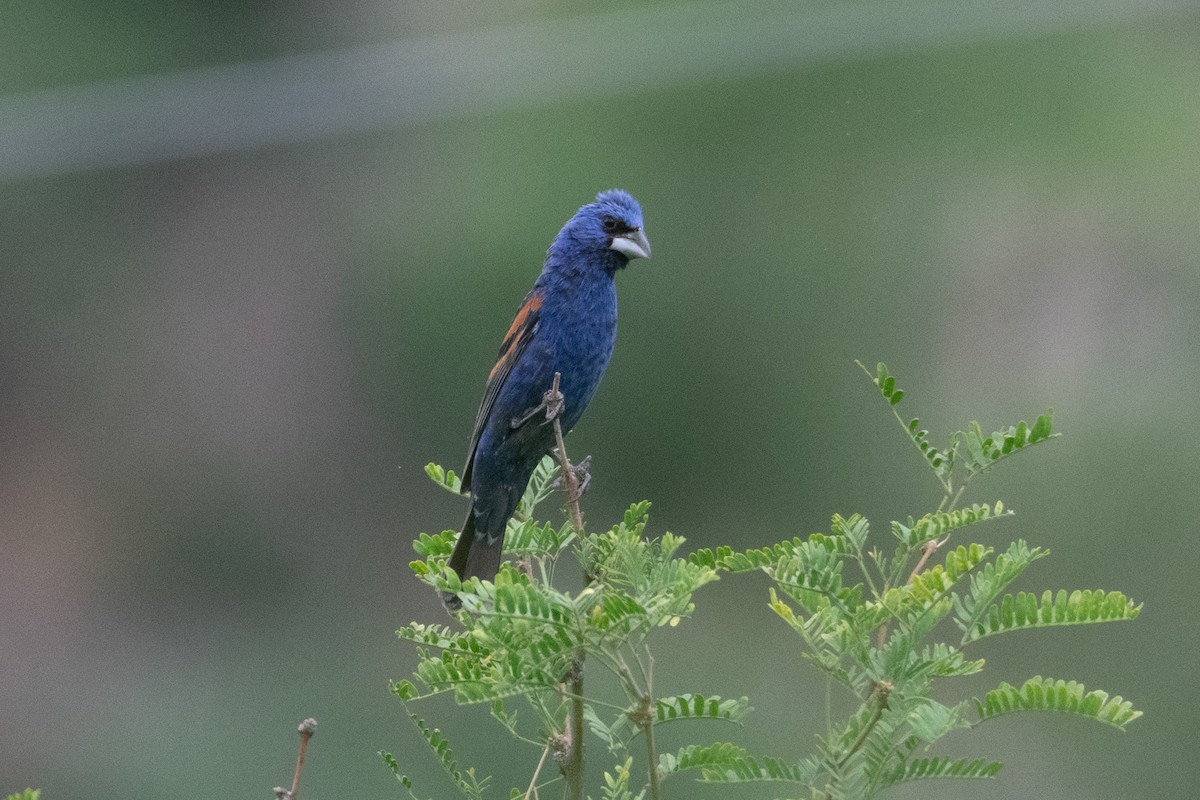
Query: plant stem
point(306, 729)
point(572, 767)
point(882, 691)
point(651, 756)
point(648, 726)
point(930, 548)
point(532, 790)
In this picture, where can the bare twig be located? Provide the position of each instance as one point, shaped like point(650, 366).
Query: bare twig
point(307, 729)
point(532, 790)
point(571, 764)
point(931, 547)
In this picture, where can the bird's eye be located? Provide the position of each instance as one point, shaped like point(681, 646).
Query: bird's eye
point(609, 222)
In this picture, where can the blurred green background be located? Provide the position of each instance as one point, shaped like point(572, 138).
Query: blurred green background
point(244, 305)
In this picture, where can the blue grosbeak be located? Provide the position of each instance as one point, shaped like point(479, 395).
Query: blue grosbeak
point(567, 324)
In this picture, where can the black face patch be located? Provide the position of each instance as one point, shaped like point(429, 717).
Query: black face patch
point(614, 226)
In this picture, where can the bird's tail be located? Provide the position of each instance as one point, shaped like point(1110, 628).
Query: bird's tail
point(473, 556)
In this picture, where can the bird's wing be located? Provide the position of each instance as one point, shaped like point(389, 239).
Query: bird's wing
point(519, 333)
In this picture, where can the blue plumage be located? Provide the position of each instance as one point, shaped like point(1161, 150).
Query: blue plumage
point(567, 324)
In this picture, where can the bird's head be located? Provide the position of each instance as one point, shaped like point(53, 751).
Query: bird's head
point(611, 226)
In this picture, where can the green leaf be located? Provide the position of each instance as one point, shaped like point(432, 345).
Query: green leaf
point(392, 764)
point(541, 485)
point(532, 603)
point(465, 781)
point(725, 559)
point(936, 767)
point(613, 736)
point(937, 525)
point(504, 717)
point(1047, 694)
point(982, 452)
point(444, 478)
point(962, 560)
point(437, 546)
point(616, 783)
point(719, 755)
point(812, 567)
point(854, 529)
point(697, 706)
point(403, 689)
point(723, 762)
point(439, 636)
point(940, 660)
point(989, 581)
point(1022, 611)
point(1041, 427)
point(536, 540)
point(28, 794)
point(931, 720)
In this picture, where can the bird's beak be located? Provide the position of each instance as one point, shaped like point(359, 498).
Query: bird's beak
point(633, 244)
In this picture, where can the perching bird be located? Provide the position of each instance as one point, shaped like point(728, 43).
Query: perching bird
point(567, 324)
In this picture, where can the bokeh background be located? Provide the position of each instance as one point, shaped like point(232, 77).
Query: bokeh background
point(257, 259)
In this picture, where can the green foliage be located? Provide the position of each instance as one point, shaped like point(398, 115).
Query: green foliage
point(616, 783)
point(696, 706)
point(1047, 694)
point(919, 768)
point(1023, 611)
point(521, 637)
point(723, 762)
point(940, 523)
point(466, 782)
point(969, 448)
point(444, 478)
point(28, 794)
point(872, 623)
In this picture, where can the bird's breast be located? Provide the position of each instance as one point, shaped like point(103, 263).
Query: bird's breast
point(581, 343)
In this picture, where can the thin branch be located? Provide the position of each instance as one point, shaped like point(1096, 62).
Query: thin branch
point(532, 790)
point(306, 729)
point(553, 401)
point(651, 756)
point(882, 690)
point(572, 765)
point(931, 547)
point(647, 675)
point(570, 695)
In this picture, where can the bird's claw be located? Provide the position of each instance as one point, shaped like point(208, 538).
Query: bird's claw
point(583, 474)
point(552, 401)
point(517, 422)
point(552, 404)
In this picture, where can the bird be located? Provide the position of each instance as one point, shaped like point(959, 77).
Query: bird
point(567, 324)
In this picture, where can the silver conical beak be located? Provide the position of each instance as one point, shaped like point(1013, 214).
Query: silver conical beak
point(633, 244)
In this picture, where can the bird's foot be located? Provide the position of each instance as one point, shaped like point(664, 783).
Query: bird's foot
point(552, 404)
point(517, 422)
point(552, 401)
point(583, 474)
